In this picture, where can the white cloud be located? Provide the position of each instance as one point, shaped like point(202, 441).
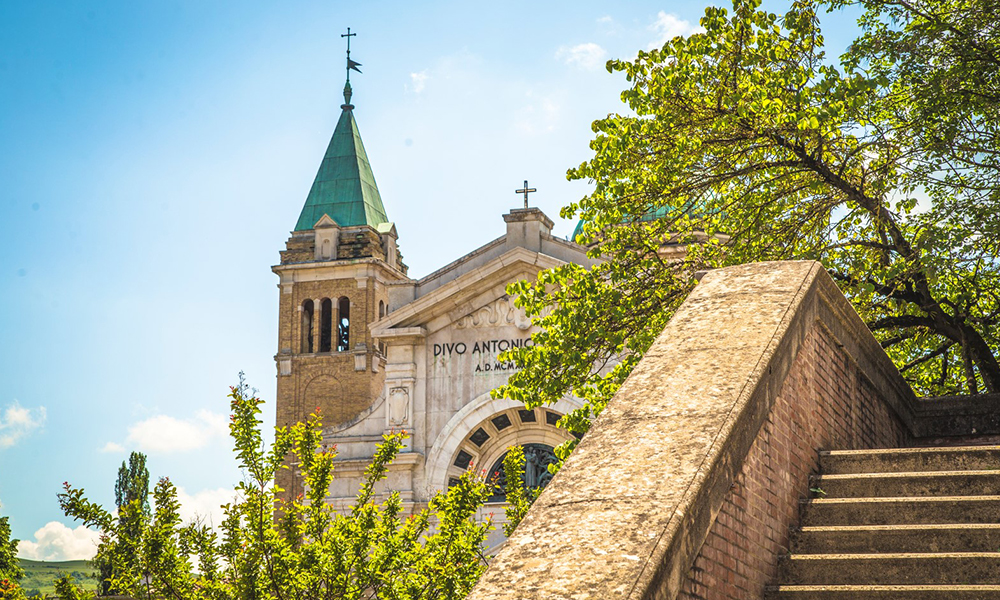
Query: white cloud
point(205, 505)
point(588, 56)
point(418, 81)
point(166, 434)
point(16, 422)
point(541, 116)
point(668, 26)
point(55, 541)
point(609, 25)
point(112, 448)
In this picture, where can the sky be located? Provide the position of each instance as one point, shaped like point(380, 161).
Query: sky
point(154, 157)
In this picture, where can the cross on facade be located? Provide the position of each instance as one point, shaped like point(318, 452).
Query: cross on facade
point(525, 190)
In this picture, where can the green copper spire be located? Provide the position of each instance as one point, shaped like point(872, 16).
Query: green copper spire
point(345, 186)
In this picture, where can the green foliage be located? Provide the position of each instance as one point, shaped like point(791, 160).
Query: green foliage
point(9, 567)
point(11, 572)
point(938, 62)
point(596, 324)
point(273, 548)
point(133, 482)
point(67, 589)
point(519, 497)
point(751, 144)
point(131, 492)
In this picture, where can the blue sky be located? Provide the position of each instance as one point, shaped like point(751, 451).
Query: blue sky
point(154, 156)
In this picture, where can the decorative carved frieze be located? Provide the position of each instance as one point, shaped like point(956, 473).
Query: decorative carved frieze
point(498, 313)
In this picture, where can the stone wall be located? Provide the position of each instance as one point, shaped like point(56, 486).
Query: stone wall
point(824, 403)
point(687, 484)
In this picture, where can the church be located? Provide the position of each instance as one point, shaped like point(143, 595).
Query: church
point(377, 351)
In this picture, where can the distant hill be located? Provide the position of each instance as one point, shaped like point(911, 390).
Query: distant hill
point(40, 576)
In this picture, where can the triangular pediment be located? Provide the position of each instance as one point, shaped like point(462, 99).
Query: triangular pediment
point(474, 299)
point(325, 221)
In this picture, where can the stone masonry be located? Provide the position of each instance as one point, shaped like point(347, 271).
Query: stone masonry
point(687, 484)
point(824, 403)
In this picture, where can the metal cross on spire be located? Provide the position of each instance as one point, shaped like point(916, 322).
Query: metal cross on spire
point(525, 190)
point(350, 63)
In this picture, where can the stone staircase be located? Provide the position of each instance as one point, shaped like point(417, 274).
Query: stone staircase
point(913, 523)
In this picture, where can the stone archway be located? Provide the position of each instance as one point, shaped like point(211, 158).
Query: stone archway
point(457, 435)
point(490, 439)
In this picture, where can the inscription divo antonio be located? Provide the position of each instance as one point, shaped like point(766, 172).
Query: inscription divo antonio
point(491, 346)
point(483, 347)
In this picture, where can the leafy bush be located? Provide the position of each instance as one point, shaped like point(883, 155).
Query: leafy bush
point(272, 548)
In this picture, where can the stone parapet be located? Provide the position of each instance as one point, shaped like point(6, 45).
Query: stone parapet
point(687, 484)
point(966, 417)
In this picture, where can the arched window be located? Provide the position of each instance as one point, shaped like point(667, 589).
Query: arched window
point(537, 458)
point(307, 327)
point(343, 324)
point(326, 249)
point(381, 314)
point(325, 325)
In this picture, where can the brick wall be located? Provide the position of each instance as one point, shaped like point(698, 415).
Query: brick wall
point(332, 381)
point(825, 403)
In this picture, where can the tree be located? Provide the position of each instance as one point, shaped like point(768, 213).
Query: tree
point(938, 63)
point(132, 488)
point(268, 548)
point(133, 482)
point(749, 141)
point(940, 60)
point(11, 572)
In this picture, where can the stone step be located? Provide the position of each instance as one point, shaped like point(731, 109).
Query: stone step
point(883, 592)
point(953, 568)
point(910, 523)
point(900, 511)
point(911, 483)
point(870, 539)
point(957, 458)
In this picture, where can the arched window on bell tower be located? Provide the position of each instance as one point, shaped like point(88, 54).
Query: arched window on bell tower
point(325, 325)
point(381, 314)
point(343, 324)
point(307, 327)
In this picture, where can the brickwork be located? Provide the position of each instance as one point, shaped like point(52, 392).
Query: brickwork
point(824, 404)
point(290, 330)
point(298, 249)
point(341, 383)
point(358, 244)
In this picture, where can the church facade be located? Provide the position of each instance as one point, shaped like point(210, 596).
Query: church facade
point(376, 350)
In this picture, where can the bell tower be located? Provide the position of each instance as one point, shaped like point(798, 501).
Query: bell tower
point(333, 277)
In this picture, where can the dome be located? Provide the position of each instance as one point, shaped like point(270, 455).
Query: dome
point(653, 214)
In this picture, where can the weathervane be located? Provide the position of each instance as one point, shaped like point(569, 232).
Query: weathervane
point(350, 63)
point(525, 190)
